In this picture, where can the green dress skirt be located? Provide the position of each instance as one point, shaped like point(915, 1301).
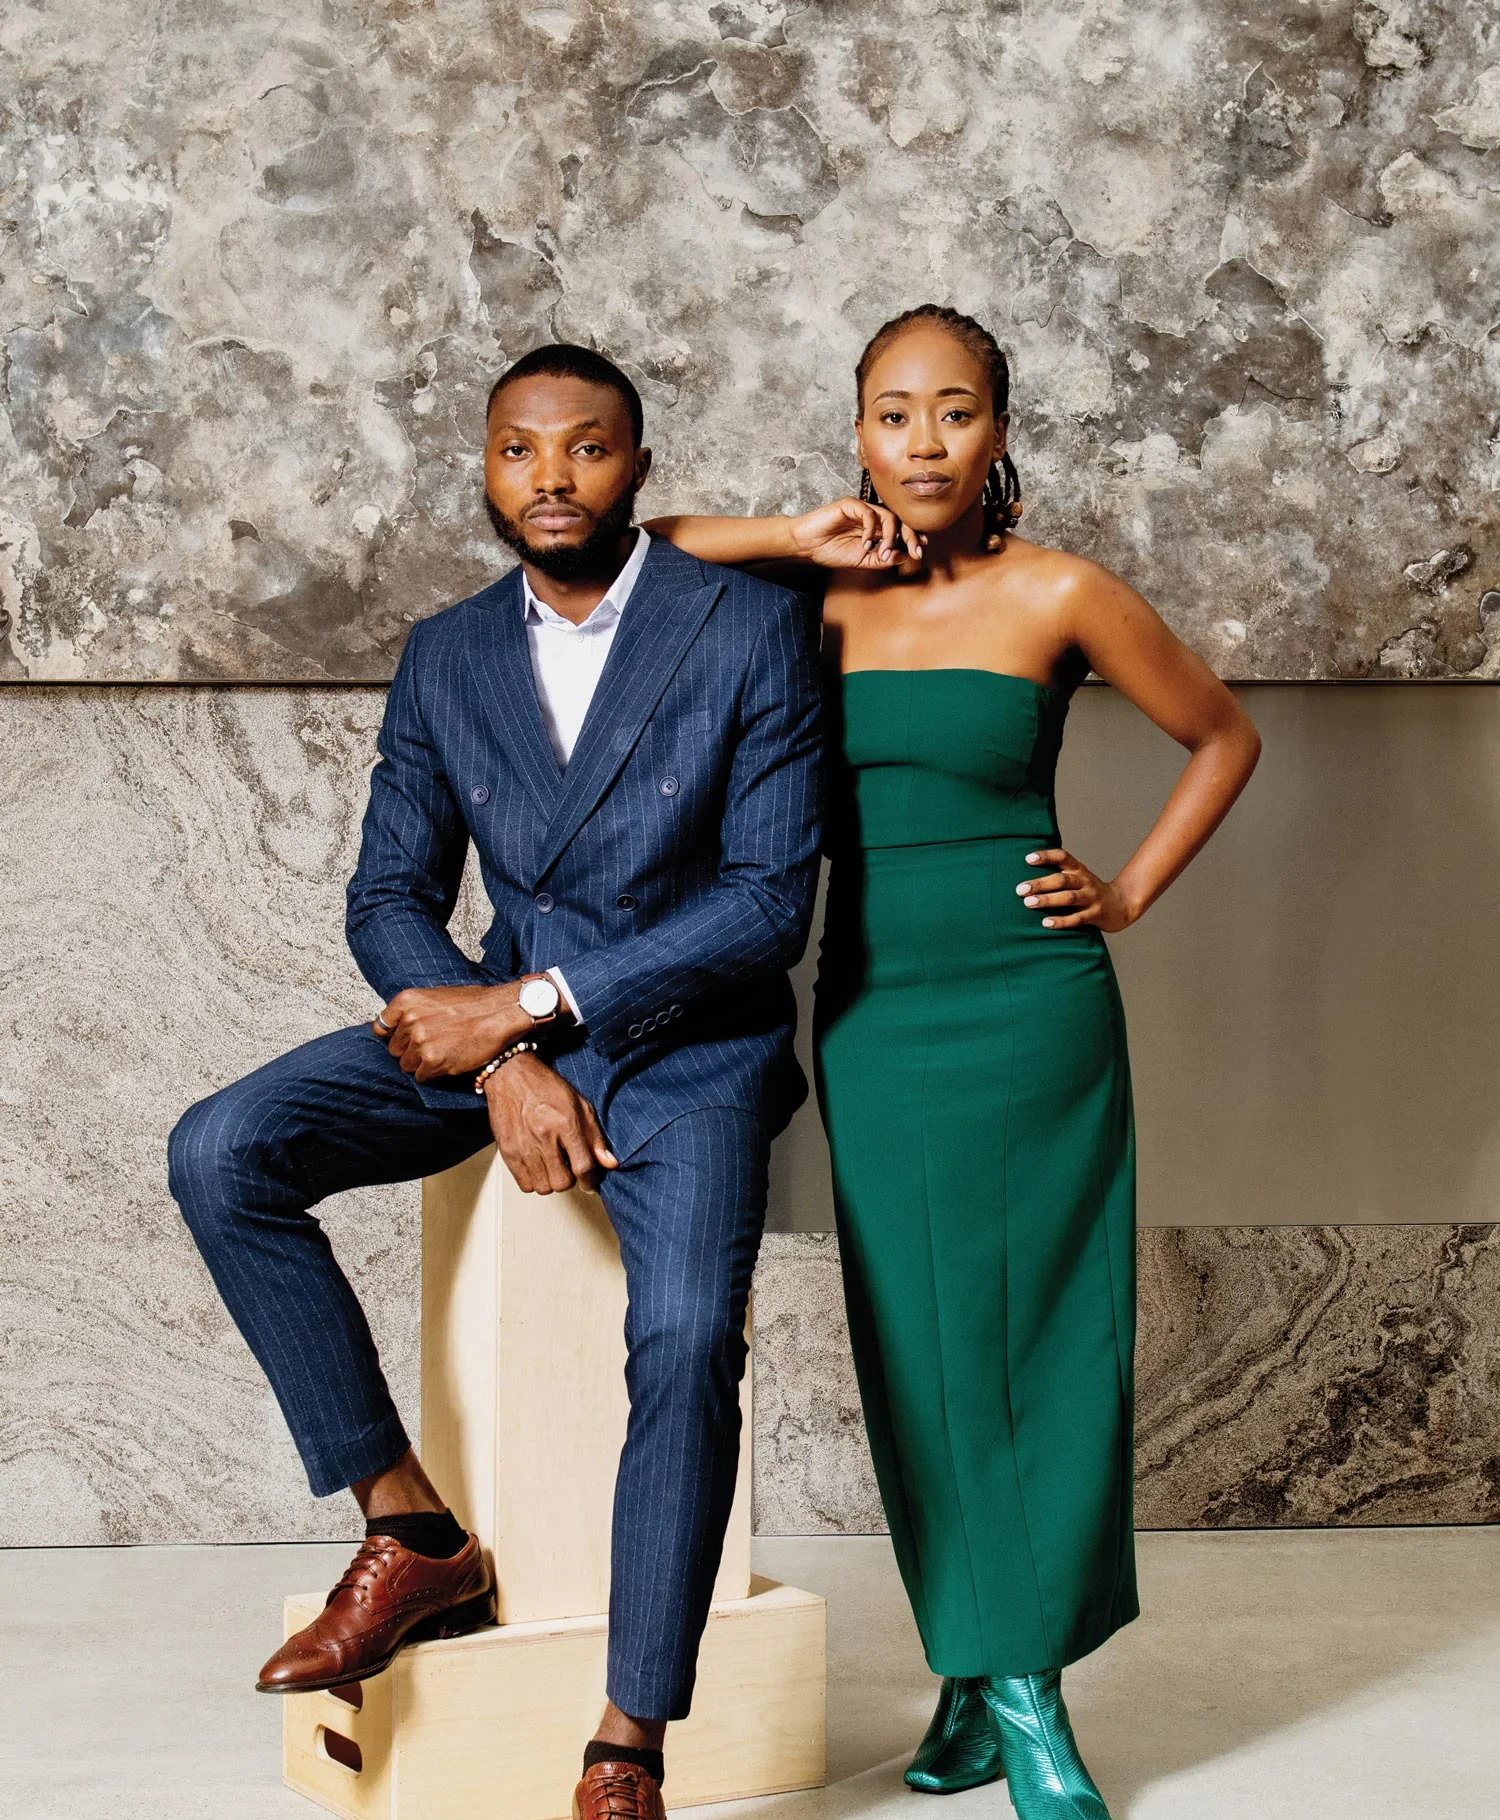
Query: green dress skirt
point(975, 1085)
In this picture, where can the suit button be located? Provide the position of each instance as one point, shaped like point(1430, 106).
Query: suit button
point(479, 794)
point(544, 901)
point(624, 901)
point(669, 786)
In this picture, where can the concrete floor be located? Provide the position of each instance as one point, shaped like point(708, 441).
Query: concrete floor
point(1315, 1675)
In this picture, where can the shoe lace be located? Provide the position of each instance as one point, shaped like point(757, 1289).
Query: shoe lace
point(368, 1560)
point(619, 1796)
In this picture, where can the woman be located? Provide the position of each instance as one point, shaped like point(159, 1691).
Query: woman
point(972, 1063)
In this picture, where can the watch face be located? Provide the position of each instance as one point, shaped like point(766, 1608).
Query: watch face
point(539, 998)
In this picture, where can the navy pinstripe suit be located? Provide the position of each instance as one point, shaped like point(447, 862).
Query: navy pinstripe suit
point(670, 871)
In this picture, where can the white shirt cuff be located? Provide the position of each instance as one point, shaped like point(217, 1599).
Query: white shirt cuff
point(555, 974)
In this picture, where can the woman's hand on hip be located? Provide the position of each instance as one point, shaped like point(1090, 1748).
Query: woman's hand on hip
point(853, 534)
point(1071, 895)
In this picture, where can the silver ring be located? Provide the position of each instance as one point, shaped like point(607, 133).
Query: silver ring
point(382, 1027)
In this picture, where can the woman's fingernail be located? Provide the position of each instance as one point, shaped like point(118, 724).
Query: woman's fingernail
point(1020, 890)
point(1046, 922)
point(1032, 858)
point(1031, 904)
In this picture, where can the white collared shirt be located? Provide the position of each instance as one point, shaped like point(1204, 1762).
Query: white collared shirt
point(566, 660)
point(566, 663)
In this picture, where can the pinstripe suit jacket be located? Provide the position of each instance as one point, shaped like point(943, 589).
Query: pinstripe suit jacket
point(669, 870)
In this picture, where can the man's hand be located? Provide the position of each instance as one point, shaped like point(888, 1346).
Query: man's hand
point(548, 1134)
point(435, 1030)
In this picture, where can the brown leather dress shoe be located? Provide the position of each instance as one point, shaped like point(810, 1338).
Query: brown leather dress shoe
point(618, 1791)
point(387, 1597)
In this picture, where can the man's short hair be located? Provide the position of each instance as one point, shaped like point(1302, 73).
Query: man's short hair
point(565, 360)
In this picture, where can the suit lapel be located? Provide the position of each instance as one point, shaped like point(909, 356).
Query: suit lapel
point(502, 670)
point(662, 617)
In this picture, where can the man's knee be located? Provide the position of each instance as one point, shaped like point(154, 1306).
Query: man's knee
point(211, 1146)
point(688, 1346)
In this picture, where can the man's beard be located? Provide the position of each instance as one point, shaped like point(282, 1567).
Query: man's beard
point(566, 562)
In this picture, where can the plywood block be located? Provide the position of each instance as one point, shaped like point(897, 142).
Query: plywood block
point(523, 1387)
point(491, 1726)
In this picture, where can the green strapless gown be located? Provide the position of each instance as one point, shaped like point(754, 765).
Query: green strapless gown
point(975, 1084)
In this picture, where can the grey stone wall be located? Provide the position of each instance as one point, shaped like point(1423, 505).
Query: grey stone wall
point(259, 263)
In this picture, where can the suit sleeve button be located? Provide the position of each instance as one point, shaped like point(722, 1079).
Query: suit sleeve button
point(625, 901)
point(669, 786)
point(544, 901)
point(479, 794)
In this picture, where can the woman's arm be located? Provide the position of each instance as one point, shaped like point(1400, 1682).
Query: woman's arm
point(1129, 645)
point(845, 534)
point(735, 542)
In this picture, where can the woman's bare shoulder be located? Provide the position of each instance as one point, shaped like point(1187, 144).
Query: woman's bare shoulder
point(1058, 573)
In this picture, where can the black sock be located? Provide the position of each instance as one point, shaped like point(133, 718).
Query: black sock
point(434, 1533)
point(649, 1760)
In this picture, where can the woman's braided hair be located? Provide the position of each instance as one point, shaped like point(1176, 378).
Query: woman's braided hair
point(1002, 487)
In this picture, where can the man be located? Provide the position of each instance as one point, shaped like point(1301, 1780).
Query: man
point(629, 738)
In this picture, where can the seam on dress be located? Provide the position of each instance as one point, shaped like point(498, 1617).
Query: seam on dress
point(1126, 1463)
point(925, 1620)
point(1010, 1405)
point(1117, 1026)
point(937, 1307)
point(1126, 1538)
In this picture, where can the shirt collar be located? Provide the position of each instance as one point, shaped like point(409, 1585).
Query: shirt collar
point(613, 603)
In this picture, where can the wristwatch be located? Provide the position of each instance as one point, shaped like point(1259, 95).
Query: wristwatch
point(540, 999)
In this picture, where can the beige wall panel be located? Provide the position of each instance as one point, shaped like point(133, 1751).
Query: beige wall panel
point(1314, 1006)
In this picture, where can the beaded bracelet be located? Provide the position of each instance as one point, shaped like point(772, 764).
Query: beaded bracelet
point(522, 1048)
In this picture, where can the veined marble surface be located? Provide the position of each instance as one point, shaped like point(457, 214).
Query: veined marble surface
point(1318, 1374)
point(171, 899)
point(260, 263)
point(171, 907)
point(1285, 1375)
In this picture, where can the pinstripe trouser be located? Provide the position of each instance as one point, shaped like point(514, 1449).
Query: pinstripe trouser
point(247, 1164)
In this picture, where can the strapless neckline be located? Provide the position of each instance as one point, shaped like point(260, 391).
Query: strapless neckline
point(957, 670)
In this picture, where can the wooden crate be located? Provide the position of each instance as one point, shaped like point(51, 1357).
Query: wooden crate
point(492, 1726)
point(523, 1417)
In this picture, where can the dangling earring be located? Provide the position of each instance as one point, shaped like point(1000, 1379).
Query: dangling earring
point(996, 518)
point(866, 491)
point(1012, 490)
point(1002, 502)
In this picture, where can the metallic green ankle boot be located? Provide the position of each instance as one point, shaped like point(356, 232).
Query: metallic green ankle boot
point(1046, 1774)
point(962, 1745)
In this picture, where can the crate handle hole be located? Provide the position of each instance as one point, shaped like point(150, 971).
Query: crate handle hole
point(340, 1750)
point(351, 1693)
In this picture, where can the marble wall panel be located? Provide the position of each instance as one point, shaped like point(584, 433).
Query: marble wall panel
point(1286, 1376)
point(1318, 1374)
point(260, 262)
point(171, 906)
